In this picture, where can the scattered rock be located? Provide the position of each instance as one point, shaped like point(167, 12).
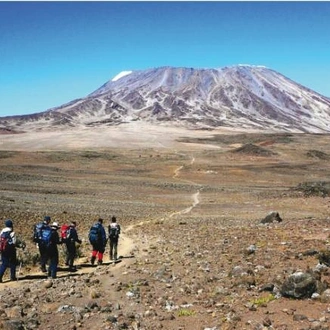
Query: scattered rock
point(12, 325)
point(250, 250)
point(299, 285)
point(48, 284)
point(324, 257)
point(325, 296)
point(271, 217)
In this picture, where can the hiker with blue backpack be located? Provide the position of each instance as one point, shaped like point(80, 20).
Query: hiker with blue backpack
point(114, 232)
point(8, 245)
point(42, 229)
point(98, 239)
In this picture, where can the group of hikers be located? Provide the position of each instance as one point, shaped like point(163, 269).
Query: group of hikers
point(47, 238)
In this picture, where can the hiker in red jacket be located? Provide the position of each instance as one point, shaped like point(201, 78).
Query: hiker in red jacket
point(98, 239)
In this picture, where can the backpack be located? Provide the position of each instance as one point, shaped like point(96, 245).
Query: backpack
point(95, 234)
point(6, 242)
point(113, 231)
point(65, 233)
point(45, 237)
point(37, 232)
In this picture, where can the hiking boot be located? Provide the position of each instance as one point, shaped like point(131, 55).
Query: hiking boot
point(100, 262)
point(13, 278)
point(93, 260)
point(43, 269)
point(72, 269)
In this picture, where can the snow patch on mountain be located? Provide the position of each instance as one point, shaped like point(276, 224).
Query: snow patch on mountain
point(252, 66)
point(120, 75)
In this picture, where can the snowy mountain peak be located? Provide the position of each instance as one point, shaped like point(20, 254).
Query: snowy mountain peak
point(241, 96)
point(121, 74)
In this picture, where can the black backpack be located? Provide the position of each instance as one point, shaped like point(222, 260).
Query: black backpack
point(113, 231)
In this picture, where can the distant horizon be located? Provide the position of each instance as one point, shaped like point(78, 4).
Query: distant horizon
point(55, 52)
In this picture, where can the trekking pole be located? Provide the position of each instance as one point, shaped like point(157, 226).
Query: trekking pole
point(19, 270)
point(20, 266)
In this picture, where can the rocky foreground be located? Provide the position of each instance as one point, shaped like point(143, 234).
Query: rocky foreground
point(183, 275)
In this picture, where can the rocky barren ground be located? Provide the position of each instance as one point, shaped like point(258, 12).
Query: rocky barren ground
point(195, 255)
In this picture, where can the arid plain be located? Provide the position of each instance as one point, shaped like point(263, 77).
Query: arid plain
point(190, 204)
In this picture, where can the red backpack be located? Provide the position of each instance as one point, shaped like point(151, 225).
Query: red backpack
point(65, 231)
point(5, 242)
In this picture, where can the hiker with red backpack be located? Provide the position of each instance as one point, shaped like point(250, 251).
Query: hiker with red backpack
point(98, 239)
point(69, 238)
point(8, 244)
point(114, 232)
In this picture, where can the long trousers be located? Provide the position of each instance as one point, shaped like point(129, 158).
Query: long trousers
point(8, 262)
point(113, 254)
point(70, 253)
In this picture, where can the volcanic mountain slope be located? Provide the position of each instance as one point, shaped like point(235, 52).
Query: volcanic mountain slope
point(242, 96)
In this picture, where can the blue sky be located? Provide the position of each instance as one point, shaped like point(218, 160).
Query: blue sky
point(54, 52)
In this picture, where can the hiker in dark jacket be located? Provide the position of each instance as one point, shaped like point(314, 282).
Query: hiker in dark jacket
point(52, 250)
point(114, 232)
point(70, 242)
point(8, 255)
point(37, 239)
point(98, 239)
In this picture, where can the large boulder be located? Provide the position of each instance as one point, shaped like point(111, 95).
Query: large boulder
point(299, 285)
point(272, 217)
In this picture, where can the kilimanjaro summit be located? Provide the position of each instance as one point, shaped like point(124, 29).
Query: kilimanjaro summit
point(242, 96)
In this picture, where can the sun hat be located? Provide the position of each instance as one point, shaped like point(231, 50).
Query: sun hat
point(55, 225)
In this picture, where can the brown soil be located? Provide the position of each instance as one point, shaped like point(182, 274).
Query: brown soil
point(188, 212)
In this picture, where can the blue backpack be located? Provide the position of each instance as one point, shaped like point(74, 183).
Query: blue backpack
point(37, 232)
point(95, 234)
point(45, 236)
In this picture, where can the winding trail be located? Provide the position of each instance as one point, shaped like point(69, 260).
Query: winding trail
point(194, 197)
point(188, 209)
